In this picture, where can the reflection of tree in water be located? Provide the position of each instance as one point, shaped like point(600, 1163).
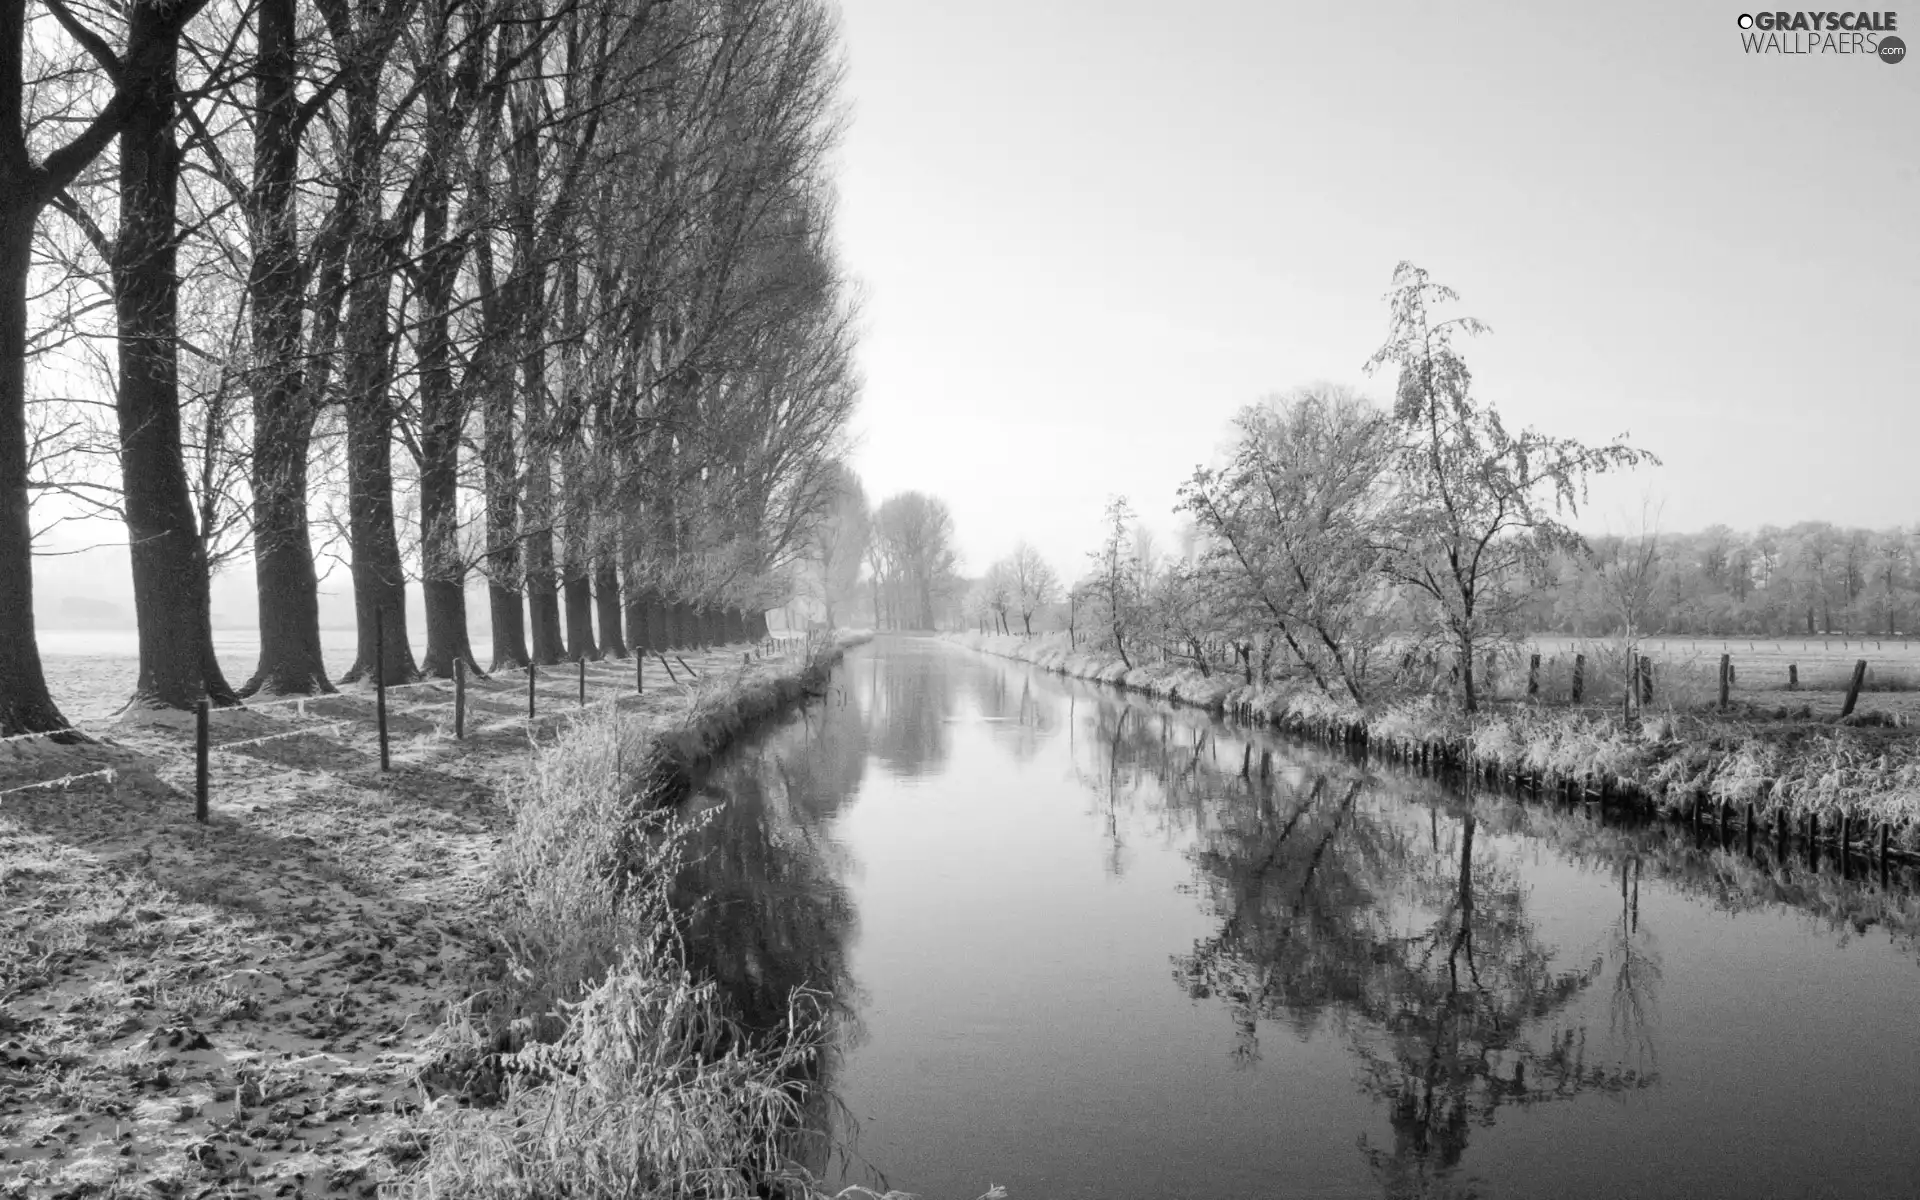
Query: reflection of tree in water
point(767, 913)
point(1455, 1002)
point(1019, 715)
point(1634, 959)
point(907, 704)
point(1415, 941)
point(1140, 761)
point(1722, 872)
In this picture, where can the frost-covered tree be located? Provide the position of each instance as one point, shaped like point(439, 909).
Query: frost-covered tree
point(1476, 503)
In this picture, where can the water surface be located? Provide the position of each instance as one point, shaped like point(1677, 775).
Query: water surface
point(1085, 944)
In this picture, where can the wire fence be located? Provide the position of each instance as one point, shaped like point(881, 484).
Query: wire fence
point(596, 682)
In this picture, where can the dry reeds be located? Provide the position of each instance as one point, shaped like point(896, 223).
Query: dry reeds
point(593, 1063)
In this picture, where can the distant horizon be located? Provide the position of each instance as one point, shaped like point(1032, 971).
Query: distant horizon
point(52, 590)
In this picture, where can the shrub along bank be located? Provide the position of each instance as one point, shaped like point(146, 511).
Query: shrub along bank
point(590, 1061)
point(1822, 780)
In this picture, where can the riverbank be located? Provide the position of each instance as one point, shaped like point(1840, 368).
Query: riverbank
point(588, 1058)
point(1860, 784)
point(255, 1006)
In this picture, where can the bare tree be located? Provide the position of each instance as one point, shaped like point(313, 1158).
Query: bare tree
point(140, 69)
point(1476, 503)
point(1115, 580)
point(1291, 524)
point(840, 546)
point(915, 534)
point(1629, 570)
point(997, 595)
point(1035, 585)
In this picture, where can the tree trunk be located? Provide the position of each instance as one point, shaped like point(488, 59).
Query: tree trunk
point(379, 578)
point(636, 621)
point(286, 588)
point(576, 569)
point(504, 601)
point(659, 624)
point(543, 590)
point(606, 598)
point(170, 578)
point(578, 594)
point(442, 414)
point(576, 565)
point(25, 704)
point(1200, 658)
point(1469, 700)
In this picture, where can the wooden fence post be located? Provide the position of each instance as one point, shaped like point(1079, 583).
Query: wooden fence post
point(1646, 682)
point(1726, 677)
point(583, 681)
point(201, 714)
point(639, 672)
point(530, 678)
point(380, 680)
point(1533, 676)
point(1853, 688)
point(1579, 676)
point(1793, 677)
point(459, 697)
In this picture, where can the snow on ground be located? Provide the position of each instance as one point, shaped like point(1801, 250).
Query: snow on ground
point(241, 1007)
point(91, 672)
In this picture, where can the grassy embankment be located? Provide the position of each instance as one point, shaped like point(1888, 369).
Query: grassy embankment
point(257, 1006)
point(591, 1061)
point(1785, 761)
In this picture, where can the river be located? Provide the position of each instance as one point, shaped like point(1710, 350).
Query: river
point(1082, 943)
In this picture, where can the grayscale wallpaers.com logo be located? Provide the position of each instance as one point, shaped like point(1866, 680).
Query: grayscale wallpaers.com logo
point(1823, 33)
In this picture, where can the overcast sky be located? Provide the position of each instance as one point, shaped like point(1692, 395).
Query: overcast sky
point(1089, 231)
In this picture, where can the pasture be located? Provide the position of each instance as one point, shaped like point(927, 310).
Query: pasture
point(1765, 670)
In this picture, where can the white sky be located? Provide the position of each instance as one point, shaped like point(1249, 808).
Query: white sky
point(1090, 230)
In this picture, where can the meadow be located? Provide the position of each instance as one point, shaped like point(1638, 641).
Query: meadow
point(1807, 677)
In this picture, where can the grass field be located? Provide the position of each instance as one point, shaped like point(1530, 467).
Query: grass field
point(1687, 672)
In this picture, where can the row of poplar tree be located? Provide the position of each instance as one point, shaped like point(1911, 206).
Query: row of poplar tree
point(539, 290)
